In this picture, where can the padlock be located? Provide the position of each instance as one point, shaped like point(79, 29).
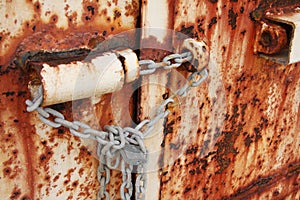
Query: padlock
point(133, 155)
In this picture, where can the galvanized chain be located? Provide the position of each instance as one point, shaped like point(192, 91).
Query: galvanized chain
point(126, 188)
point(140, 183)
point(103, 180)
point(117, 146)
point(151, 66)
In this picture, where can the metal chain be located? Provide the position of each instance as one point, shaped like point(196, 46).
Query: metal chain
point(126, 187)
point(150, 66)
point(140, 183)
point(103, 180)
point(117, 146)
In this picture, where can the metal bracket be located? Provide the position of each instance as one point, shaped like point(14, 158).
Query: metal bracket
point(200, 52)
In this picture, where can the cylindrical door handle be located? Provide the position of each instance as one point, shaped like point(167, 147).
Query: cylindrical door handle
point(103, 74)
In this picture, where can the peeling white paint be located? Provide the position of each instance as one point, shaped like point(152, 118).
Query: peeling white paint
point(273, 100)
point(155, 15)
point(67, 82)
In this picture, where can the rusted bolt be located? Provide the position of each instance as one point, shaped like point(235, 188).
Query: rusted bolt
point(270, 39)
point(278, 35)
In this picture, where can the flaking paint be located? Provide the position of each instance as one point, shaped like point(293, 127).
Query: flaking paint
point(257, 142)
point(253, 153)
point(38, 162)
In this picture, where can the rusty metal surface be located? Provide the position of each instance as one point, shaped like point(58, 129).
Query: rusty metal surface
point(257, 144)
point(156, 43)
point(239, 132)
point(270, 39)
point(51, 25)
point(235, 137)
point(38, 162)
point(292, 21)
point(277, 33)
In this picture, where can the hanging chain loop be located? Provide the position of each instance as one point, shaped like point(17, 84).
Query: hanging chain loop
point(117, 146)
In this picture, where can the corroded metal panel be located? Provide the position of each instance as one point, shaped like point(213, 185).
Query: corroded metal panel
point(49, 25)
point(38, 162)
point(239, 132)
point(233, 137)
point(156, 43)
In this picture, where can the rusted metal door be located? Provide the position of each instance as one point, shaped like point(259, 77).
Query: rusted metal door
point(234, 137)
point(39, 162)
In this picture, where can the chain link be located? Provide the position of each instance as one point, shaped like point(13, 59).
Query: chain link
point(126, 188)
point(168, 62)
point(140, 183)
point(103, 180)
point(117, 146)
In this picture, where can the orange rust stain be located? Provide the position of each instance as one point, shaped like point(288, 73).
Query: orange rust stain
point(46, 155)
point(56, 177)
point(90, 10)
point(12, 99)
point(68, 175)
point(84, 153)
point(117, 14)
point(115, 2)
point(81, 170)
point(96, 40)
point(16, 193)
point(270, 39)
point(103, 111)
point(38, 35)
point(286, 175)
point(132, 9)
point(34, 167)
point(37, 7)
point(278, 6)
point(53, 19)
point(247, 83)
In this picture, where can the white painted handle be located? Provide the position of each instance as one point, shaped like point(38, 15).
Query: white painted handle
point(103, 74)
